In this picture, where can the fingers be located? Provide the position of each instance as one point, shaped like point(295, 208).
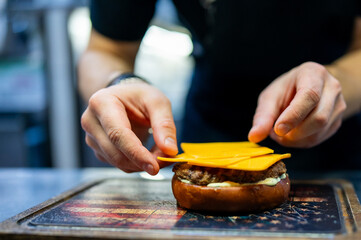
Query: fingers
point(306, 105)
point(328, 109)
point(266, 114)
point(103, 148)
point(270, 103)
point(164, 130)
point(158, 153)
point(116, 132)
point(116, 122)
point(322, 122)
point(309, 141)
point(309, 88)
point(262, 124)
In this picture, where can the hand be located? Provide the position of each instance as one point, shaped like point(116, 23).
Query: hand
point(117, 121)
point(301, 108)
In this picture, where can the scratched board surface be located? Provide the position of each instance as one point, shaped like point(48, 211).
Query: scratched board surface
point(139, 204)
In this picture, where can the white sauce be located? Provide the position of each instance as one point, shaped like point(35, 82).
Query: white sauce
point(184, 180)
point(267, 181)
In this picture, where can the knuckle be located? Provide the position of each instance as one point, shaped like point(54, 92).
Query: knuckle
point(315, 67)
point(295, 114)
point(132, 154)
point(311, 95)
point(321, 120)
point(307, 64)
point(157, 97)
point(115, 157)
point(343, 106)
point(93, 102)
point(311, 141)
point(115, 135)
point(96, 99)
point(263, 96)
point(336, 85)
point(88, 141)
point(167, 124)
point(84, 122)
point(167, 101)
point(162, 101)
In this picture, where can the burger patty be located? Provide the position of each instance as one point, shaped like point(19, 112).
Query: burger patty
point(205, 175)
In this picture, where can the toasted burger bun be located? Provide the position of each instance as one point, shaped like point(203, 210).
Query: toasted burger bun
point(248, 198)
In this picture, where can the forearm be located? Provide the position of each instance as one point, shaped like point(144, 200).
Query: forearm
point(103, 58)
point(347, 70)
point(96, 68)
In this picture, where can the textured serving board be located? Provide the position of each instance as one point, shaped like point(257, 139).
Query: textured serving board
point(137, 208)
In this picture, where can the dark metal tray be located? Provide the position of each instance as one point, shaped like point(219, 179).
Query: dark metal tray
point(137, 208)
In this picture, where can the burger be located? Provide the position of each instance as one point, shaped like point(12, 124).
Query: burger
point(229, 190)
point(232, 180)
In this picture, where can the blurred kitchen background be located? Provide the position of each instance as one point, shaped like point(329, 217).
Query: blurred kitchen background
point(40, 109)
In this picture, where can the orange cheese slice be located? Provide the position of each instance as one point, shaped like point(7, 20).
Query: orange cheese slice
point(211, 161)
point(179, 158)
point(216, 162)
point(224, 149)
point(242, 152)
point(236, 155)
point(259, 163)
point(197, 148)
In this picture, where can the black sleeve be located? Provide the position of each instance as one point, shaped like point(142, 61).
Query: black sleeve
point(125, 20)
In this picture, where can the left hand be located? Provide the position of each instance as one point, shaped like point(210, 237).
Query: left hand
point(301, 108)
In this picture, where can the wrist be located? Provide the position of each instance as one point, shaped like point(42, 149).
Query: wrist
point(125, 78)
point(350, 89)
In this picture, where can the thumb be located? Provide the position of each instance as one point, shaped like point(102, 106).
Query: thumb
point(158, 153)
point(164, 130)
point(266, 114)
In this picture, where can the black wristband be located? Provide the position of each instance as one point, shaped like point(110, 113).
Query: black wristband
point(124, 76)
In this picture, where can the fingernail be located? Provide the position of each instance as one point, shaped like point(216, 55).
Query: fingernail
point(148, 168)
point(170, 142)
point(253, 128)
point(283, 129)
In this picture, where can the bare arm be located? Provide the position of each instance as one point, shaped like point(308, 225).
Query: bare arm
point(101, 60)
point(117, 118)
point(347, 70)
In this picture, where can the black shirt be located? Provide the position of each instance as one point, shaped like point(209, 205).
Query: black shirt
point(245, 46)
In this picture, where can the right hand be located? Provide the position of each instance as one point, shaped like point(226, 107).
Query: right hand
point(117, 120)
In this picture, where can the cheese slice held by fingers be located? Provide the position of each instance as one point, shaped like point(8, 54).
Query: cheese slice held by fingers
point(238, 155)
point(224, 150)
point(179, 158)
